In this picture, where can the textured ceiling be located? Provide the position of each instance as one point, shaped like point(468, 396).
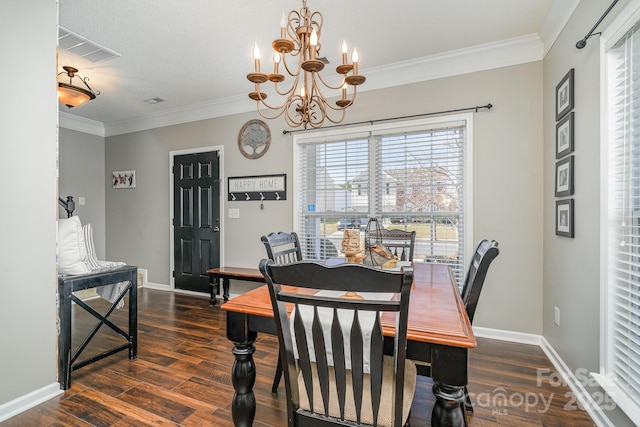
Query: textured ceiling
point(196, 51)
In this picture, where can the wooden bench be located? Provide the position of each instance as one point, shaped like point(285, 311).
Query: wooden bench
point(227, 273)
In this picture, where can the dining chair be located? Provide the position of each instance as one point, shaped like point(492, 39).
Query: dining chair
point(399, 242)
point(282, 248)
point(332, 343)
point(485, 253)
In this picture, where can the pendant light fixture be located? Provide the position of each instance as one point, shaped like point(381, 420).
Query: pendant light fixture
point(71, 95)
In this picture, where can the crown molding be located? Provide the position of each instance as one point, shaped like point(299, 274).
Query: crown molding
point(484, 57)
point(519, 50)
point(174, 116)
point(92, 127)
point(554, 23)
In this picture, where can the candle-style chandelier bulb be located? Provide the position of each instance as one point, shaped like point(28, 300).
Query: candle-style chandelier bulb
point(297, 52)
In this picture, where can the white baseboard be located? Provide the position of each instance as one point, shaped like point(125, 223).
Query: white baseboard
point(195, 294)
point(162, 287)
point(144, 272)
point(511, 336)
point(158, 286)
point(586, 400)
point(29, 400)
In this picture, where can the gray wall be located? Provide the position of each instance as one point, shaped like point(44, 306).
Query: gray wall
point(572, 266)
point(507, 180)
point(81, 174)
point(29, 193)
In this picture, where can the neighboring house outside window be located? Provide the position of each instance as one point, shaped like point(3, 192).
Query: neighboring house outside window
point(413, 175)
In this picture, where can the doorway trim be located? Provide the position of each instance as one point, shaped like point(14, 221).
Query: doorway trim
point(172, 154)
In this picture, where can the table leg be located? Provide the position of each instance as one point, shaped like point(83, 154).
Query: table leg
point(447, 411)
point(449, 372)
point(133, 316)
point(64, 337)
point(214, 288)
point(243, 376)
point(243, 373)
point(225, 288)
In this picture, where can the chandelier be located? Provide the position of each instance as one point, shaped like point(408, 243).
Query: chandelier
point(73, 96)
point(304, 104)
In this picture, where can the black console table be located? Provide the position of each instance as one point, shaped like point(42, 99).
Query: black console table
point(67, 284)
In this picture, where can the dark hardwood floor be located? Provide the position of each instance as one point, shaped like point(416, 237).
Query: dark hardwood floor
point(182, 377)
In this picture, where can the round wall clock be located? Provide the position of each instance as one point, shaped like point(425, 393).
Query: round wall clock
point(254, 139)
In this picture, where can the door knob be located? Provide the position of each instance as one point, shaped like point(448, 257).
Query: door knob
point(216, 229)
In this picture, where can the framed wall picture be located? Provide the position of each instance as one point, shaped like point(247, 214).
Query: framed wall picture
point(564, 136)
point(254, 139)
point(124, 179)
point(564, 218)
point(564, 95)
point(564, 177)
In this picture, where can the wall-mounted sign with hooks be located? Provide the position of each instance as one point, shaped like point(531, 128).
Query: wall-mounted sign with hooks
point(258, 188)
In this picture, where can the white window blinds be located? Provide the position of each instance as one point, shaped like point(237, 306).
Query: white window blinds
point(420, 186)
point(411, 179)
point(623, 216)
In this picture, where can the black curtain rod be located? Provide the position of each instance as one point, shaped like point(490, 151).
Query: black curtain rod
point(476, 108)
point(582, 43)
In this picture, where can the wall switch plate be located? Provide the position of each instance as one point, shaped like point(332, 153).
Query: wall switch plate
point(81, 201)
point(234, 213)
point(556, 316)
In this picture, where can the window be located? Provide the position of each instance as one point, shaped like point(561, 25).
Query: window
point(621, 199)
point(411, 176)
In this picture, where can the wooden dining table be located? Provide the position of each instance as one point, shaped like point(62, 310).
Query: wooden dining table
point(439, 337)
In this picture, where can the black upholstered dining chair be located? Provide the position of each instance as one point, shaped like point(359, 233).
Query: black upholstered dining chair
point(485, 253)
point(282, 248)
point(331, 345)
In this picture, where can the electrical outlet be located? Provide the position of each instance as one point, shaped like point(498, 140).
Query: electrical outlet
point(234, 213)
point(556, 316)
point(81, 201)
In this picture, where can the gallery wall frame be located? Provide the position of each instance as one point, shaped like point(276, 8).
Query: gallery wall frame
point(564, 177)
point(565, 144)
point(564, 95)
point(564, 136)
point(123, 179)
point(564, 218)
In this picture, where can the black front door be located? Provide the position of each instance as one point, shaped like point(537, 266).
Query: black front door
point(196, 219)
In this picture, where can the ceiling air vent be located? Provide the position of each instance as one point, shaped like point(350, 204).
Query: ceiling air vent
point(80, 46)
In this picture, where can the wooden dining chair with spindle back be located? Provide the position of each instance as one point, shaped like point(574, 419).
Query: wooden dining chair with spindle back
point(485, 253)
point(399, 242)
point(282, 248)
point(331, 345)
